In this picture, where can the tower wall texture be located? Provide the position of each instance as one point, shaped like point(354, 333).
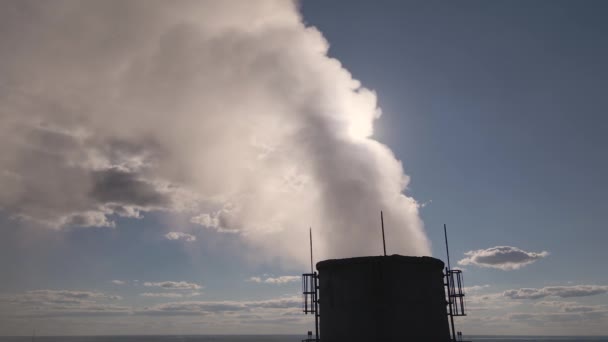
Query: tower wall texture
point(384, 298)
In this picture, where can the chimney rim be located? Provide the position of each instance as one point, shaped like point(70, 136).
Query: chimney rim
point(395, 258)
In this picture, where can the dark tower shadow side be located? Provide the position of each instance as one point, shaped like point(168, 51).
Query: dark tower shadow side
point(385, 298)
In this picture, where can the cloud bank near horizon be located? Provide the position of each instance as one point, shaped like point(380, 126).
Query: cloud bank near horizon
point(229, 112)
point(557, 291)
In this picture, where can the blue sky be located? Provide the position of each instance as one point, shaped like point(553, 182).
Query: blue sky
point(495, 109)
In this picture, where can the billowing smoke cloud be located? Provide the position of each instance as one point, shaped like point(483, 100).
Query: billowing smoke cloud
point(230, 112)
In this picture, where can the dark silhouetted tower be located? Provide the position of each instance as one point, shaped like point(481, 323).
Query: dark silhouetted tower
point(383, 298)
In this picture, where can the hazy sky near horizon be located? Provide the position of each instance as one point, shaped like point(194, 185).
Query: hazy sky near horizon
point(161, 163)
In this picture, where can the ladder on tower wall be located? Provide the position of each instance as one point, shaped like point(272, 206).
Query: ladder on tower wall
point(454, 285)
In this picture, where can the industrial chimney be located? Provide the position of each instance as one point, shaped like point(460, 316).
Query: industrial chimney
point(392, 298)
point(384, 298)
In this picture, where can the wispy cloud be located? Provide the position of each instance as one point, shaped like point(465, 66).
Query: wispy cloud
point(274, 280)
point(180, 236)
point(61, 296)
point(501, 257)
point(174, 285)
point(558, 317)
point(556, 291)
point(488, 302)
point(218, 220)
point(475, 288)
point(565, 306)
point(118, 282)
point(63, 303)
point(169, 294)
point(189, 308)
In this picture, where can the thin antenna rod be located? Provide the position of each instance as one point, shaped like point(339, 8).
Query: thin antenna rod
point(447, 249)
point(383, 239)
point(311, 268)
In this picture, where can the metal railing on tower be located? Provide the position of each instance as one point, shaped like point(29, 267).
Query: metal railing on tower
point(454, 285)
point(310, 293)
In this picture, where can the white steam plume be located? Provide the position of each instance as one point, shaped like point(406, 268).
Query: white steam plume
point(230, 112)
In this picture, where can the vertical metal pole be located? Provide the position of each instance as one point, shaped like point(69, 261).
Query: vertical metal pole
point(315, 294)
point(304, 290)
point(383, 239)
point(311, 268)
point(449, 281)
point(463, 302)
point(447, 249)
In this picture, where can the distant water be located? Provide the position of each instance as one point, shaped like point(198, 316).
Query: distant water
point(274, 338)
point(197, 338)
point(535, 338)
point(165, 338)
